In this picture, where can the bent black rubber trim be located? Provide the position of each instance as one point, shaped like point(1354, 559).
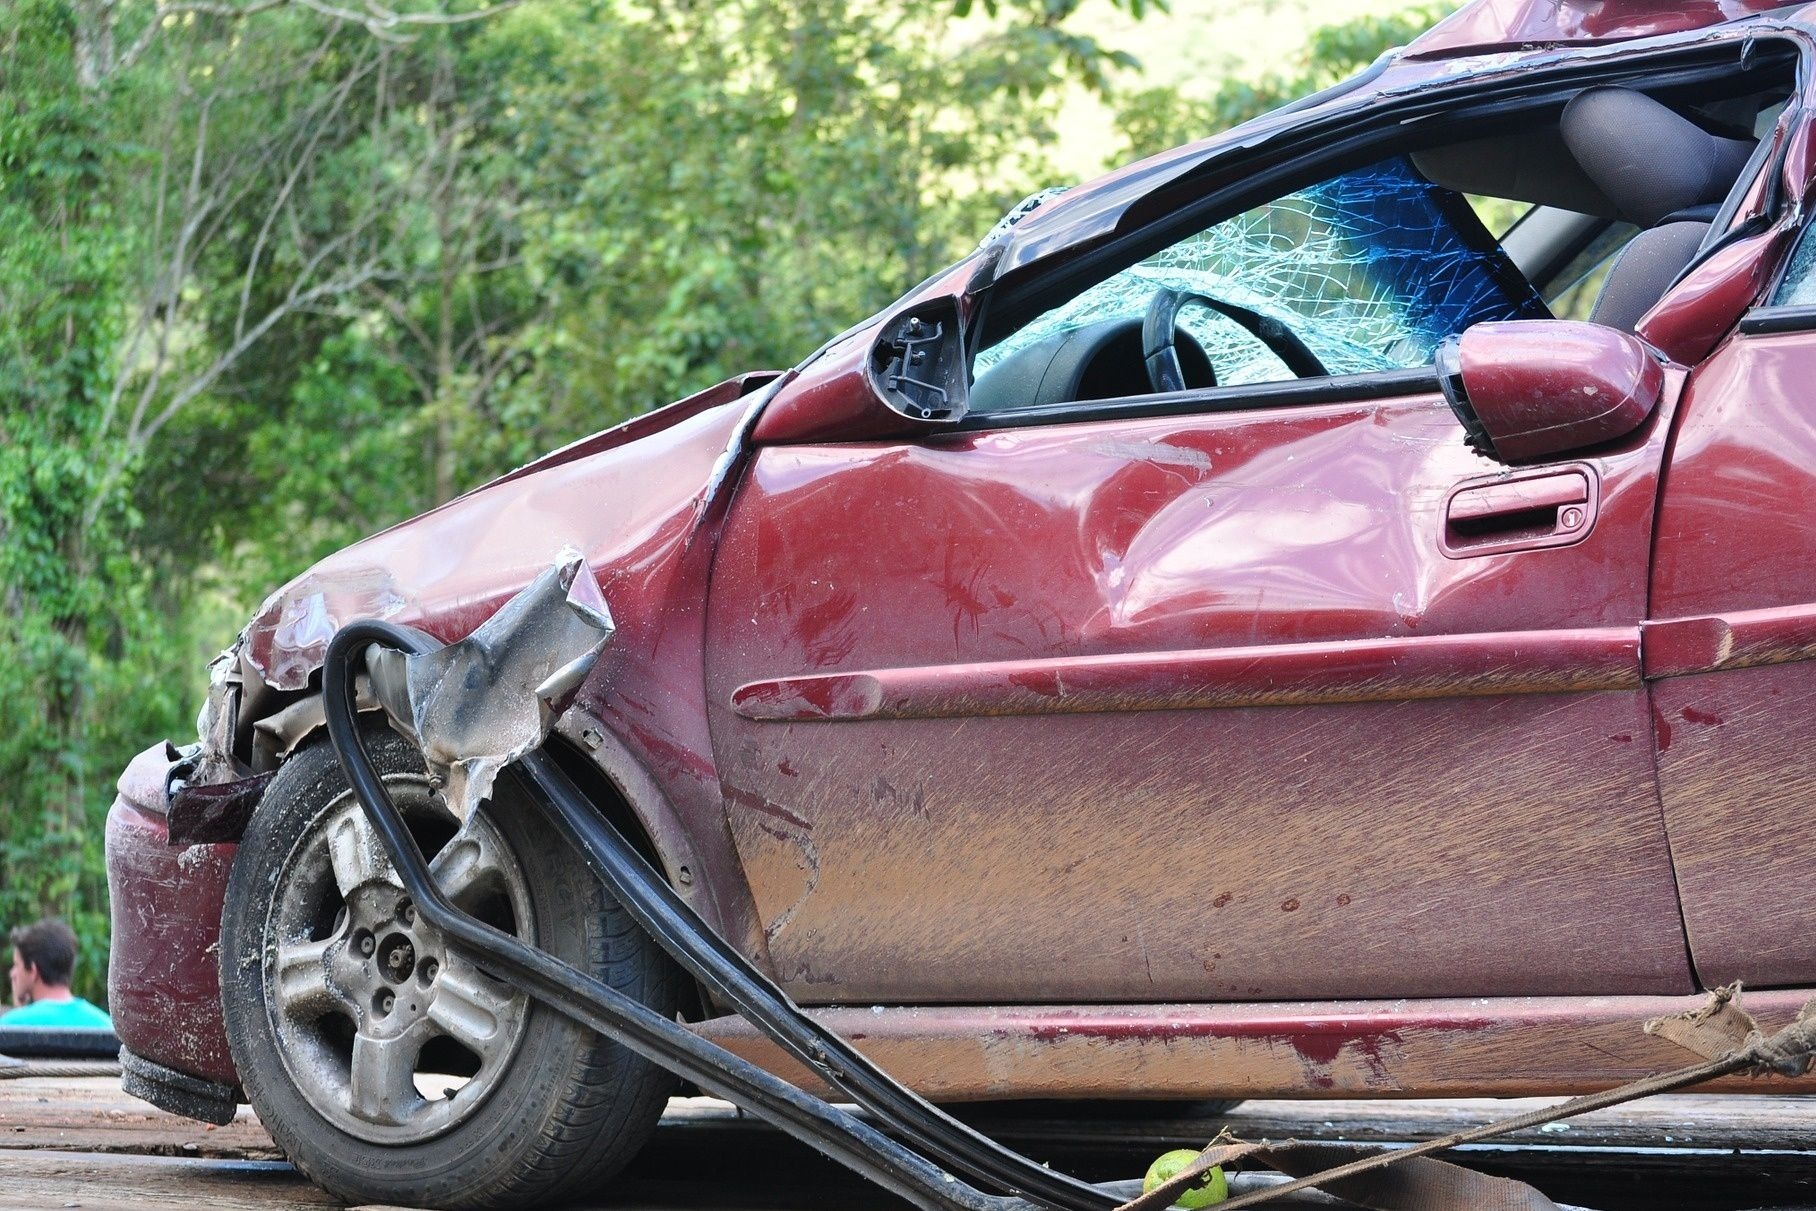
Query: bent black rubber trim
point(1768, 321)
point(646, 895)
point(178, 1092)
point(599, 1007)
point(1242, 397)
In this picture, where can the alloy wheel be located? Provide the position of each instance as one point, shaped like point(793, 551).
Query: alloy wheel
point(392, 1037)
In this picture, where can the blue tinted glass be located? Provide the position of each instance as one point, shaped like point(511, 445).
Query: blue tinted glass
point(1370, 269)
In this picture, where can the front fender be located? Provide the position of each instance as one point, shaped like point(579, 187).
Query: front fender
point(645, 512)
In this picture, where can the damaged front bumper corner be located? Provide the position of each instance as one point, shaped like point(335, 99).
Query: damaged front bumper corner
point(472, 707)
point(163, 979)
point(475, 706)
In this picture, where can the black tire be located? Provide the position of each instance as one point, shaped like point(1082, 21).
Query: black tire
point(563, 1109)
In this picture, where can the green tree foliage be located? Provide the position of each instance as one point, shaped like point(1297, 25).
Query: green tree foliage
point(279, 276)
point(611, 205)
point(60, 569)
point(1154, 119)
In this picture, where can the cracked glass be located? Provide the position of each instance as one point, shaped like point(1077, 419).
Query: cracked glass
point(1371, 269)
point(1798, 288)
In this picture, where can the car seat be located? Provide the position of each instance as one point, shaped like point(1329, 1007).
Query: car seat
point(1662, 172)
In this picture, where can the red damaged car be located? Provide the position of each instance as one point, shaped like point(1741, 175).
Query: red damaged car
point(1251, 629)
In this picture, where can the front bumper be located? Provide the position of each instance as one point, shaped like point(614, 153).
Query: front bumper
point(163, 983)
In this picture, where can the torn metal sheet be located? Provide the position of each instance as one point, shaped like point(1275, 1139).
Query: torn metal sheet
point(209, 793)
point(277, 735)
point(211, 761)
point(475, 706)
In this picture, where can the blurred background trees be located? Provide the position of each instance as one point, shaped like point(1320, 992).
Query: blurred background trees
point(277, 273)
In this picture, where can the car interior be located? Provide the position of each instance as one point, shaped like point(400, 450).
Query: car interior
point(1596, 206)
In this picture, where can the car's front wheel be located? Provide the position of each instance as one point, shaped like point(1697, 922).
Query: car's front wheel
point(390, 1068)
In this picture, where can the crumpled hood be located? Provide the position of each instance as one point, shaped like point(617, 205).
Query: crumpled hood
point(619, 497)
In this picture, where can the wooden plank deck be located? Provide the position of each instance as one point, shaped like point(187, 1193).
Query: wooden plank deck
point(81, 1142)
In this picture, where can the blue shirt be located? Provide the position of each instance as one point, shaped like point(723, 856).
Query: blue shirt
point(73, 1014)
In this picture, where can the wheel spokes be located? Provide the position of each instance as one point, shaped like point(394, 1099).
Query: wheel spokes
point(472, 1008)
point(389, 976)
point(355, 852)
point(383, 1085)
point(466, 864)
point(302, 988)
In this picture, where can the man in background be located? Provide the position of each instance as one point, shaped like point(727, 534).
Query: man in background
point(44, 954)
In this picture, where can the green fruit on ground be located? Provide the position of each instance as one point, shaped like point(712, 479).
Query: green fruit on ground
point(1212, 1187)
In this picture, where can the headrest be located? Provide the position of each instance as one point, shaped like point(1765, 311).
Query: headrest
point(1647, 158)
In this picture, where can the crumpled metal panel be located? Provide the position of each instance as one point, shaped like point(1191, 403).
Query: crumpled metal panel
point(289, 636)
point(644, 512)
point(1158, 854)
point(475, 706)
point(1492, 23)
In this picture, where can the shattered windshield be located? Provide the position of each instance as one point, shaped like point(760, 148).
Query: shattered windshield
point(1371, 269)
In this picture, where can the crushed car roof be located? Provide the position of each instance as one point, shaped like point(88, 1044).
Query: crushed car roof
point(1089, 212)
point(1500, 24)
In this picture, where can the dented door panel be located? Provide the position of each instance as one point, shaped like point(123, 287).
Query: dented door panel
point(1188, 708)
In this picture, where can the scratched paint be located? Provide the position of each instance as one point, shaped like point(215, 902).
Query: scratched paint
point(1734, 598)
point(919, 611)
point(1474, 1047)
point(163, 988)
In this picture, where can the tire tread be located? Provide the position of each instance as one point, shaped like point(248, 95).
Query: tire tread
point(609, 1101)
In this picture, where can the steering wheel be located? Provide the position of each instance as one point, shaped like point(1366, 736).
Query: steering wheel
point(1160, 327)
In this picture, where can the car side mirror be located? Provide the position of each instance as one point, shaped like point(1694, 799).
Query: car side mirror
point(918, 365)
point(1529, 389)
point(899, 375)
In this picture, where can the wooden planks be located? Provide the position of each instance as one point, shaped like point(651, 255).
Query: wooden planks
point(82, 1143)
point(91, 1114)
point(100, 1181)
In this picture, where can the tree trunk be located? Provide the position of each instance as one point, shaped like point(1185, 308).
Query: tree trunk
point(94, 42)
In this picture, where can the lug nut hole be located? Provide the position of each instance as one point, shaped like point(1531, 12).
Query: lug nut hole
point(396, 958)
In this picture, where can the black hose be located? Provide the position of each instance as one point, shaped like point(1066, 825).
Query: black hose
point(598, 1006)
point(643, 892)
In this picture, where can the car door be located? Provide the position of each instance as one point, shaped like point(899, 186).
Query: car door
point(1733, 633)
point(1273, 689)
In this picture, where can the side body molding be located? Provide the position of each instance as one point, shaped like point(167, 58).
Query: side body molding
point(1742, 639)
point(1295, 674)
